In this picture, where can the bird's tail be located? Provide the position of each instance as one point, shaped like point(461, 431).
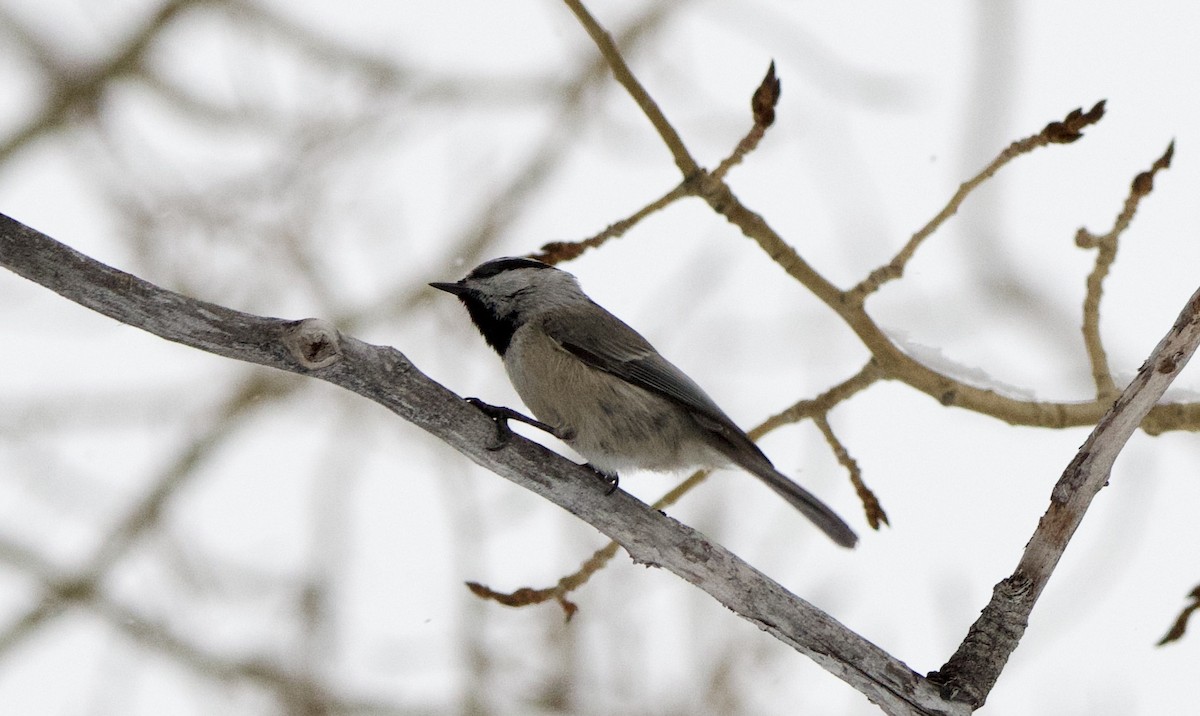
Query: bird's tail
point(818, 512)
point(729, 440)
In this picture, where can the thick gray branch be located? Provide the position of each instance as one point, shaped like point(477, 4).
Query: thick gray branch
point(974, 668)
point(384, 375)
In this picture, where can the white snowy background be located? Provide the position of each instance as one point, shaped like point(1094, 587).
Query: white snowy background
point(306, 551)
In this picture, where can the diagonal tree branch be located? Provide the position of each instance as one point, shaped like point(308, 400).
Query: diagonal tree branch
point(974, 668)
point(612, 54)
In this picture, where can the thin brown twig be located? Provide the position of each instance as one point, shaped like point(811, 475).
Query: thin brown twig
point(871, 507)
point(867, 376)
point(612, 54)
point(762, 105)
point(713, 190)
point(1106, 253)
point(762, 108)
point(559, 251)
point(1062, 132)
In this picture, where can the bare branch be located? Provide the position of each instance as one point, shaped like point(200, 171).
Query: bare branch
point(763, 110)
point(874, 511)
point(1066, 131)
point(497, 214)
point(559, 251)
point(1106, 253)
point(892, 361)
point(970, 674)
point(849, 304)
point(762, 107)
point(683, 159)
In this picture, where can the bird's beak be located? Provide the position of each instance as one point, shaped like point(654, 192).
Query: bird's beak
point(456, 288)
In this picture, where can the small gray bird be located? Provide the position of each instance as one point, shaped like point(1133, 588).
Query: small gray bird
point(604, 389)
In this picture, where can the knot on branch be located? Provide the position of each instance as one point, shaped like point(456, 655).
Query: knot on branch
point(313, 342)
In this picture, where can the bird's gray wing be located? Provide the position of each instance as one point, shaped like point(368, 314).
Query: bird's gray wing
point(613, 347)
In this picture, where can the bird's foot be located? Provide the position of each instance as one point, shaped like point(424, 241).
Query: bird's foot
point(610, 477)
point(500, 415)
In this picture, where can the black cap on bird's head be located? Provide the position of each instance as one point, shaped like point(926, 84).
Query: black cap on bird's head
point(489, 269)
point(499, 295)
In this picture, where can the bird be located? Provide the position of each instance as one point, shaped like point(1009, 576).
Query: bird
point(596, 383)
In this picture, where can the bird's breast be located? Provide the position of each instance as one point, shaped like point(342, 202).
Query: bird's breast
point(614, 425)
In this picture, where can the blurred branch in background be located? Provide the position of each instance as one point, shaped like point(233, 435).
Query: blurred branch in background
point(75, 94)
